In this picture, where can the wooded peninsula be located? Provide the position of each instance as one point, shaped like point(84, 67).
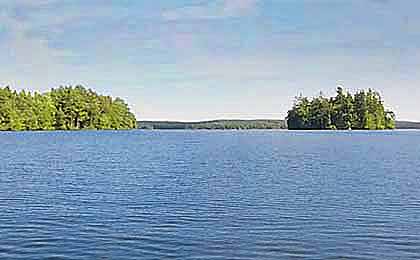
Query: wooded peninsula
point(64, 108)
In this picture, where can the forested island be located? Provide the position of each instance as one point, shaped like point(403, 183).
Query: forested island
point(63, 108)
point(364, 111)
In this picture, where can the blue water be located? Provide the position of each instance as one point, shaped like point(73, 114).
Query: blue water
point(210, 195)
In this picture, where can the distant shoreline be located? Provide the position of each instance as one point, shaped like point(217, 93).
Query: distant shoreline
point(238, 124)
point(232, 124)
point(221, 124)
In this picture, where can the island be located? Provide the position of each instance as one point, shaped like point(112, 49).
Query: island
point(364, 110)
point(63, 108)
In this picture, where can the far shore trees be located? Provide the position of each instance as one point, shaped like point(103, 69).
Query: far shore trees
point(363, 110)
point(64, 108)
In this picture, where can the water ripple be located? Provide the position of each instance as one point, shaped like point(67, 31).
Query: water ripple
point(210, 195)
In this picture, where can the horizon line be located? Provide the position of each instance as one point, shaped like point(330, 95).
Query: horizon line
point(233, 119)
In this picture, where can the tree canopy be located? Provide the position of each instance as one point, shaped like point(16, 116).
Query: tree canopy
point(63, 108)
point(363, 110)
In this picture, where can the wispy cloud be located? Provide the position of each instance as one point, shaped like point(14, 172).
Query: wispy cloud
point(229, 51)
point(214, 10)
point(29, 2)
point(239, 7)
point(28, 56)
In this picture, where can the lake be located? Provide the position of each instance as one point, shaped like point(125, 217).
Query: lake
point(210, 195)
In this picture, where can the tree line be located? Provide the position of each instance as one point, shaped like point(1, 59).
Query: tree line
point(214, 125)
point(363, 110)
point(63, 108)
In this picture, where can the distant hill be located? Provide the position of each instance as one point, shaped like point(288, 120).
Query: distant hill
point(214, 124)
point(407, 125)
point(239, 124)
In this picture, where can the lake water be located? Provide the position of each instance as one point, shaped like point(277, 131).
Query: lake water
point(210, 195)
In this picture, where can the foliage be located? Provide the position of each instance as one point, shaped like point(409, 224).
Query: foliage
point(363, 110)
point(64, 108)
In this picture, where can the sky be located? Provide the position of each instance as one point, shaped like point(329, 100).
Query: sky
point(199, 59)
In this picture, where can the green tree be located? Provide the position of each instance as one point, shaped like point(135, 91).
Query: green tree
point(64, 108)
point(342, 110)
point(45, 111)
point(389, 120)
point(320, 113)
point(298, 116)
point(364, 110)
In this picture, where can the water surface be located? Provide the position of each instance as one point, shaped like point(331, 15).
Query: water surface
point(210, 195)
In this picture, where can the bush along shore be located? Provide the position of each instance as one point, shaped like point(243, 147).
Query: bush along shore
point(364, 111)
point(63, 108)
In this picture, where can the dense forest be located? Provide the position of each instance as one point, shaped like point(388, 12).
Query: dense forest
point(214, 125)
point(64, 108)
point(363, 110)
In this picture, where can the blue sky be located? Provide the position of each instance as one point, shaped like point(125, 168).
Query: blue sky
point(198, 59)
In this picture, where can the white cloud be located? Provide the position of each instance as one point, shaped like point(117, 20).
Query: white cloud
point(238, 7)
point(214, 10)
point(27, 56)
point(28, 3)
